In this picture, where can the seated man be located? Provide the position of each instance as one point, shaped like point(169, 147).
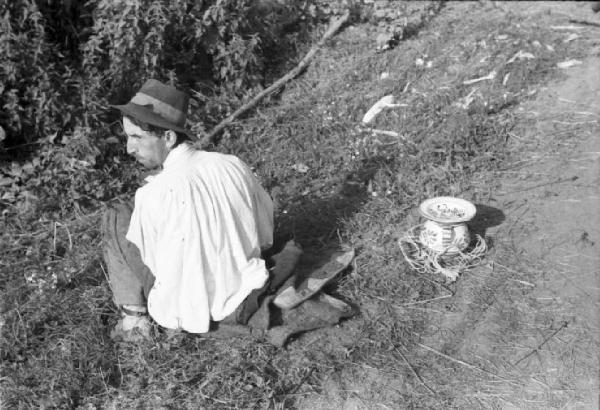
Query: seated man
point(199, 225)
point(189, 252)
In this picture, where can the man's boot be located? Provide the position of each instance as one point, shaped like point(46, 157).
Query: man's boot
point(285, 263)
point(292, 293)
point(319, 311)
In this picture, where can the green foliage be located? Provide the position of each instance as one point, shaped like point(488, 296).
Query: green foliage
point(67, 172)
point(32, 84)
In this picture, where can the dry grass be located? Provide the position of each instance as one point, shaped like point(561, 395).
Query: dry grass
point(359, 188)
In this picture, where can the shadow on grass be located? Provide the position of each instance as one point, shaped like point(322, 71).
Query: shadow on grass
point(486, 217)
point(314, 220)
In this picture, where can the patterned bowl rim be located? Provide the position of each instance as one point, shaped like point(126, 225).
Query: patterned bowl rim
point(465, 205)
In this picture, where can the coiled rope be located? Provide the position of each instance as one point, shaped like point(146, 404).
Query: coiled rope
point(425, 260)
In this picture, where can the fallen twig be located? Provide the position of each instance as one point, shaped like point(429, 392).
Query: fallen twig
point(490, 76)
point(431, 349)
point(566, 28)
point(556, 181)
point(68, 234)
point(562, 326)
point(385, 102)
point(569, 63)
point(106, 277)
point(513, 271)
point(414, 372)
point(333, 28)
point(585, 22)
point(387, 133)
point(427, 300)
point(522, 282)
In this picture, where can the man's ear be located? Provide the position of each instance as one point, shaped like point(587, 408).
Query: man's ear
point(170, 139)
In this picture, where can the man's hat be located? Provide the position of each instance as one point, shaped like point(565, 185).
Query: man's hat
point(160, 105)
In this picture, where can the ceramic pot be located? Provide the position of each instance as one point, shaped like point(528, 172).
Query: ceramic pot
point(445, 238)
point(446, 230)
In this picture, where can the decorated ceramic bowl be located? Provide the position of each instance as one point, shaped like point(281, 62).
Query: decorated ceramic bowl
point(445, 230)
point(445, 238)
point(447, 210)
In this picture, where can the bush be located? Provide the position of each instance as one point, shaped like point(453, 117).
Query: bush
point(34, 85)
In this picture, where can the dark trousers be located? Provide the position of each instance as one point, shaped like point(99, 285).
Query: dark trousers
point(130, 280)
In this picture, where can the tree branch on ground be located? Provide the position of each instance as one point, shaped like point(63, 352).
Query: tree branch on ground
point(333, 28)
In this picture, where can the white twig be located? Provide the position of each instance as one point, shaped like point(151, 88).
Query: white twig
point(106, 276)
point(490, 76)
point(54, 239)
point(388, 133)
point(68, 235)
point(426, 300)
point(567, 27)
point(470, 366)
point(384, 102)
point(414, 372)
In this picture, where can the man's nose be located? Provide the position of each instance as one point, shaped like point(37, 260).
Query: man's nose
point(130, 146)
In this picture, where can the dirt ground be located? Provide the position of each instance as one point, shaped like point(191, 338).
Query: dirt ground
point(521, 331)
point(536, 312)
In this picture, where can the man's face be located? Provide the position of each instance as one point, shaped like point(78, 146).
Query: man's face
point(147, 148)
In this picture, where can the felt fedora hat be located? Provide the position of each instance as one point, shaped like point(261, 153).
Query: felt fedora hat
point(160, 105)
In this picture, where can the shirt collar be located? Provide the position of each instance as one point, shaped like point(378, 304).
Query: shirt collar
point(178, 154)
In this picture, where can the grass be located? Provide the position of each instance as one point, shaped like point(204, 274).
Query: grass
point(358, 188)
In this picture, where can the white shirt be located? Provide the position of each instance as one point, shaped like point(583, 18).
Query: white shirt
point(200, 225)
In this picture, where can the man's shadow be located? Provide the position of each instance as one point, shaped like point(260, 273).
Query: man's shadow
point(314, 221)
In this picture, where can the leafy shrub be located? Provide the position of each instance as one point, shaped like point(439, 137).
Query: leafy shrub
point(63, 176)
point(32, 84)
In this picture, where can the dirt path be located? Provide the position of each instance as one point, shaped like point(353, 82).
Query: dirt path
point(555, 236)
point(521, 331)
point(528, 323)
